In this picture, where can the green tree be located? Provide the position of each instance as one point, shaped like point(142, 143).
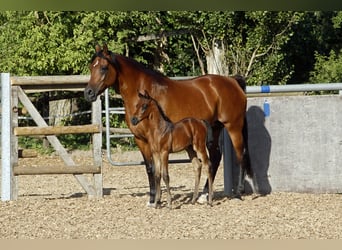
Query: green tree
point(246, 43)
point(328, 61)
point(327, 68)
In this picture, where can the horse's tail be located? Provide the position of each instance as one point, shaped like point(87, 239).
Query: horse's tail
point(246, 162)
point(210, 136)
point(241, 81)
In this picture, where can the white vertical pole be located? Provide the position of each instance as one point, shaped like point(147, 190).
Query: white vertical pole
point(97, 146)
point(6, 171)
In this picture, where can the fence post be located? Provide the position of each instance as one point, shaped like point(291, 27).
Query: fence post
point(6, 139)
point(97, 147)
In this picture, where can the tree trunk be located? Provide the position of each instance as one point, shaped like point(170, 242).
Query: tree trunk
point(216, 59)
point(161, 56)
point(60, 109)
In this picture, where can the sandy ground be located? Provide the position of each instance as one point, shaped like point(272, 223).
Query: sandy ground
point(56, 207)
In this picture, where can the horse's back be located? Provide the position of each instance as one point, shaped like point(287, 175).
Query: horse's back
point(208, 97)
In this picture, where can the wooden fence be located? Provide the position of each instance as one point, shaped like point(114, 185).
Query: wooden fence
point(19, 86)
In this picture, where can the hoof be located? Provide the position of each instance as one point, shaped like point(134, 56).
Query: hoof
point(237, 197)
point(154, 205)
point(149, 204)
point(203, 198)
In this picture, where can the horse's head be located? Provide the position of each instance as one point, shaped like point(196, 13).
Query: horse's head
point(143, 108)
point(103, 73)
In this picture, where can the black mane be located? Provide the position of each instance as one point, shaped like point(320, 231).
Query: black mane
point(144, 68)
point(161, 111)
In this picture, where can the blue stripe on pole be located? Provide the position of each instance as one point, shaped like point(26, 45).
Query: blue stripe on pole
point(265, 89)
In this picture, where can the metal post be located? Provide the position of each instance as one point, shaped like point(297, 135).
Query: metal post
point(6, 171)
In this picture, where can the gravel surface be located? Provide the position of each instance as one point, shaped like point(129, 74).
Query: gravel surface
point(56, 207)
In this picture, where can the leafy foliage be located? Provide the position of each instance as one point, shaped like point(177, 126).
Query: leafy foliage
point(327, 68)
point(268, 47)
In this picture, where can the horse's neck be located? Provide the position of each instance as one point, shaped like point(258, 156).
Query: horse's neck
point(129, 76)
point(133, 78)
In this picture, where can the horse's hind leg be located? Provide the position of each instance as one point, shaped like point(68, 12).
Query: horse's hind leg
point(197, 165)
point(207, 165)
point(215, 155)
point(235, 133)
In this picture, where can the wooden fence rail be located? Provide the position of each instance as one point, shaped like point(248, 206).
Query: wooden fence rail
point(19, 87)
point(57, 130)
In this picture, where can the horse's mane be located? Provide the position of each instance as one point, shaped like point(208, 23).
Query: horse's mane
point(141, 67)
point(161, 111)
point(158, 76)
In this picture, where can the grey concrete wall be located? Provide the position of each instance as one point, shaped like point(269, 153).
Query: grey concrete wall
point(298, 148)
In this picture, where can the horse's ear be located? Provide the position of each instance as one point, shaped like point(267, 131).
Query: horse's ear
point(147, 95)
point(97, 48)
point(140, 94)
point(105, 49)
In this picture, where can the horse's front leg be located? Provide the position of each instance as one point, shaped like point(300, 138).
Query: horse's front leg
point(147, 155)
point(157, 177)
point(166, 177)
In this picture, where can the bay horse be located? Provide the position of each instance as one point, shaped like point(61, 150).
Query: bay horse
point(165, 137)
point(217, 99)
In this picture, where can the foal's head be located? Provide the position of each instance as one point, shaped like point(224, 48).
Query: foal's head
point(145, 106)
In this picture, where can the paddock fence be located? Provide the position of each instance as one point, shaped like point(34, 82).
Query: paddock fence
point(13, 90)
point(295, 138)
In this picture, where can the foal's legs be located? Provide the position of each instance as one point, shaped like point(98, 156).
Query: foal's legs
point(202, 154)
point(166, 177)
point(157, 177)
point(197, 168)
point(207, 165)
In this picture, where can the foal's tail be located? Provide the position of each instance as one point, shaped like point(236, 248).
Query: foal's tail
point(246, 162)
point(210, 137)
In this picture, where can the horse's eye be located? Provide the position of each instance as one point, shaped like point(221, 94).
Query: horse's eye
point(144, 107)
point(104, 69)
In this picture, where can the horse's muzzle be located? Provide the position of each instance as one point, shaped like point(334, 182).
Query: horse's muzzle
point(134, 120)
point(89, 94)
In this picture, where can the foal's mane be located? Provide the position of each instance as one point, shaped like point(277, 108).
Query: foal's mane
point(161, 111)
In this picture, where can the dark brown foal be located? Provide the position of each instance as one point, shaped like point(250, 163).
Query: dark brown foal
point(165, 137)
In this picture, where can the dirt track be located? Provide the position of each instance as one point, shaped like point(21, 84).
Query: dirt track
point(55, 207)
